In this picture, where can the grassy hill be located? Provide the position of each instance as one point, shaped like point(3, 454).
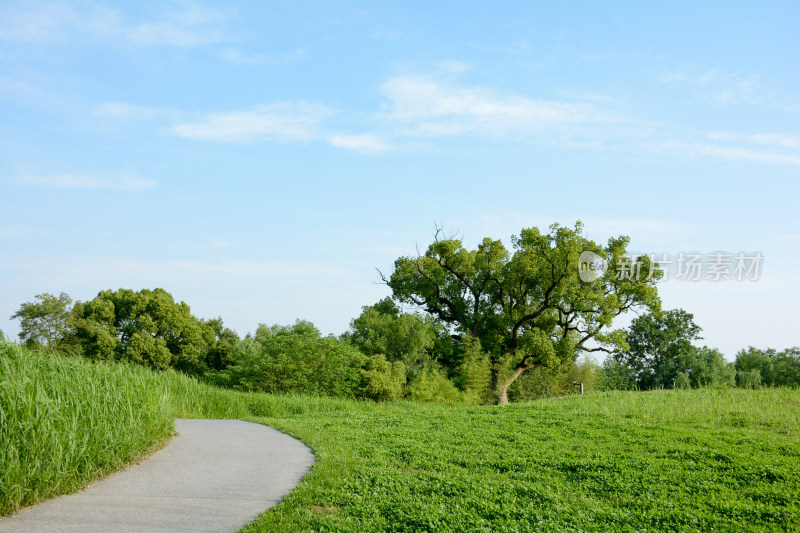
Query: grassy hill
point(704, 460)
point(667, 461)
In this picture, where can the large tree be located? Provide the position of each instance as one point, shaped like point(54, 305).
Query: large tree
point(528, 308)
point(660, 348)
point(46, 320)
point(145, 327)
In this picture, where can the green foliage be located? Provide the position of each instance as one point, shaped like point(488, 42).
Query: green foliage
point(710, 459)
point(775, 369)
point(45, 321)
point(682, 381)
point(749, 379)
point(295, 359)
point(149, 328)
point(712, 370)
point(220, 342)
point(699, 460)
point(786, 368)
point(660, 346)
point(660, 354)
point(383, 329)
point(475, 374)
point(381, 379)
point(529, 308)
point(543, 382)
point(65, 421)
point(616, 375)
point(432, 386)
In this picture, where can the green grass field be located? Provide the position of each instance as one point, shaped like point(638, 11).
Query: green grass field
point(705, 460)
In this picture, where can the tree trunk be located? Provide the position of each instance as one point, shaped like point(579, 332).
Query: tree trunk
point(500, 386)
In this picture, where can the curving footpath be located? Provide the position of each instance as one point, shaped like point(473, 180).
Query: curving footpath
point(216, 475)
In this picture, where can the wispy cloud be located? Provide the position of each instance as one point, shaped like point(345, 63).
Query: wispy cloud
point(430, 107)
point(123, 110)
point(424, 108)
point(364, 142)
point(185, 26)
point(181, 25)
point(274, 122)
point(721, 88)
point(80, 181)
point(42, 23)
point(774, 140)
point(769, 148)
point(243, 57)
point(729, 152)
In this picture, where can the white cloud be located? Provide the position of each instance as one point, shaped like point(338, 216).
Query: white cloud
point(738, 152)
point(365, 142)
point(44, 24)
point(41, 24)
point(79, 181)
point(436, 109)
point(721, 88)
point(274, 122)
point(122, 110)
point(504, 224)
point(766, 139)
point(171, 34)
point(237, 55)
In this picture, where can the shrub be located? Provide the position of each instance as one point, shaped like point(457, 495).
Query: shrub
point(382, 380)
point(432, 386)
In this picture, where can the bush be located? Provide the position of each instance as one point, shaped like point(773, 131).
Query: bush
point(432, 386)
point(749, 379)
point(296, 360)
point(475, 374)
point(682, 381)
point(382, 380)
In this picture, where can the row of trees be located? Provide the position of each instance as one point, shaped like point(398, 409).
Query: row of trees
point(487, 325)
point(661, 354)
point(385, 355)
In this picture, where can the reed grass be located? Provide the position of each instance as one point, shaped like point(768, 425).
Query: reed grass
point(66, 421)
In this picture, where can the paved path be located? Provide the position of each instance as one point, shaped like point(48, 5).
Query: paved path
point(216, 475)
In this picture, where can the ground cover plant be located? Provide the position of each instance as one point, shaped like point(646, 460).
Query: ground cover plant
point(703, 460)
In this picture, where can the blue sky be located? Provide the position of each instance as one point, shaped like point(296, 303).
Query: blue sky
point(260, 160)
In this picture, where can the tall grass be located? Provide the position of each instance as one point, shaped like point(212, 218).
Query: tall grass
point(66, 421)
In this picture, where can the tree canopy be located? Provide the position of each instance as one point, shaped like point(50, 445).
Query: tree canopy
point(46, 320)
point(661, 354)
point(383, 329)
point(768, 367)
point(298, 359)
point(148, 327)
point(528, 308)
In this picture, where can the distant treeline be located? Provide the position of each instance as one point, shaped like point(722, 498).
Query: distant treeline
point(661, 355)
point(385, 355)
